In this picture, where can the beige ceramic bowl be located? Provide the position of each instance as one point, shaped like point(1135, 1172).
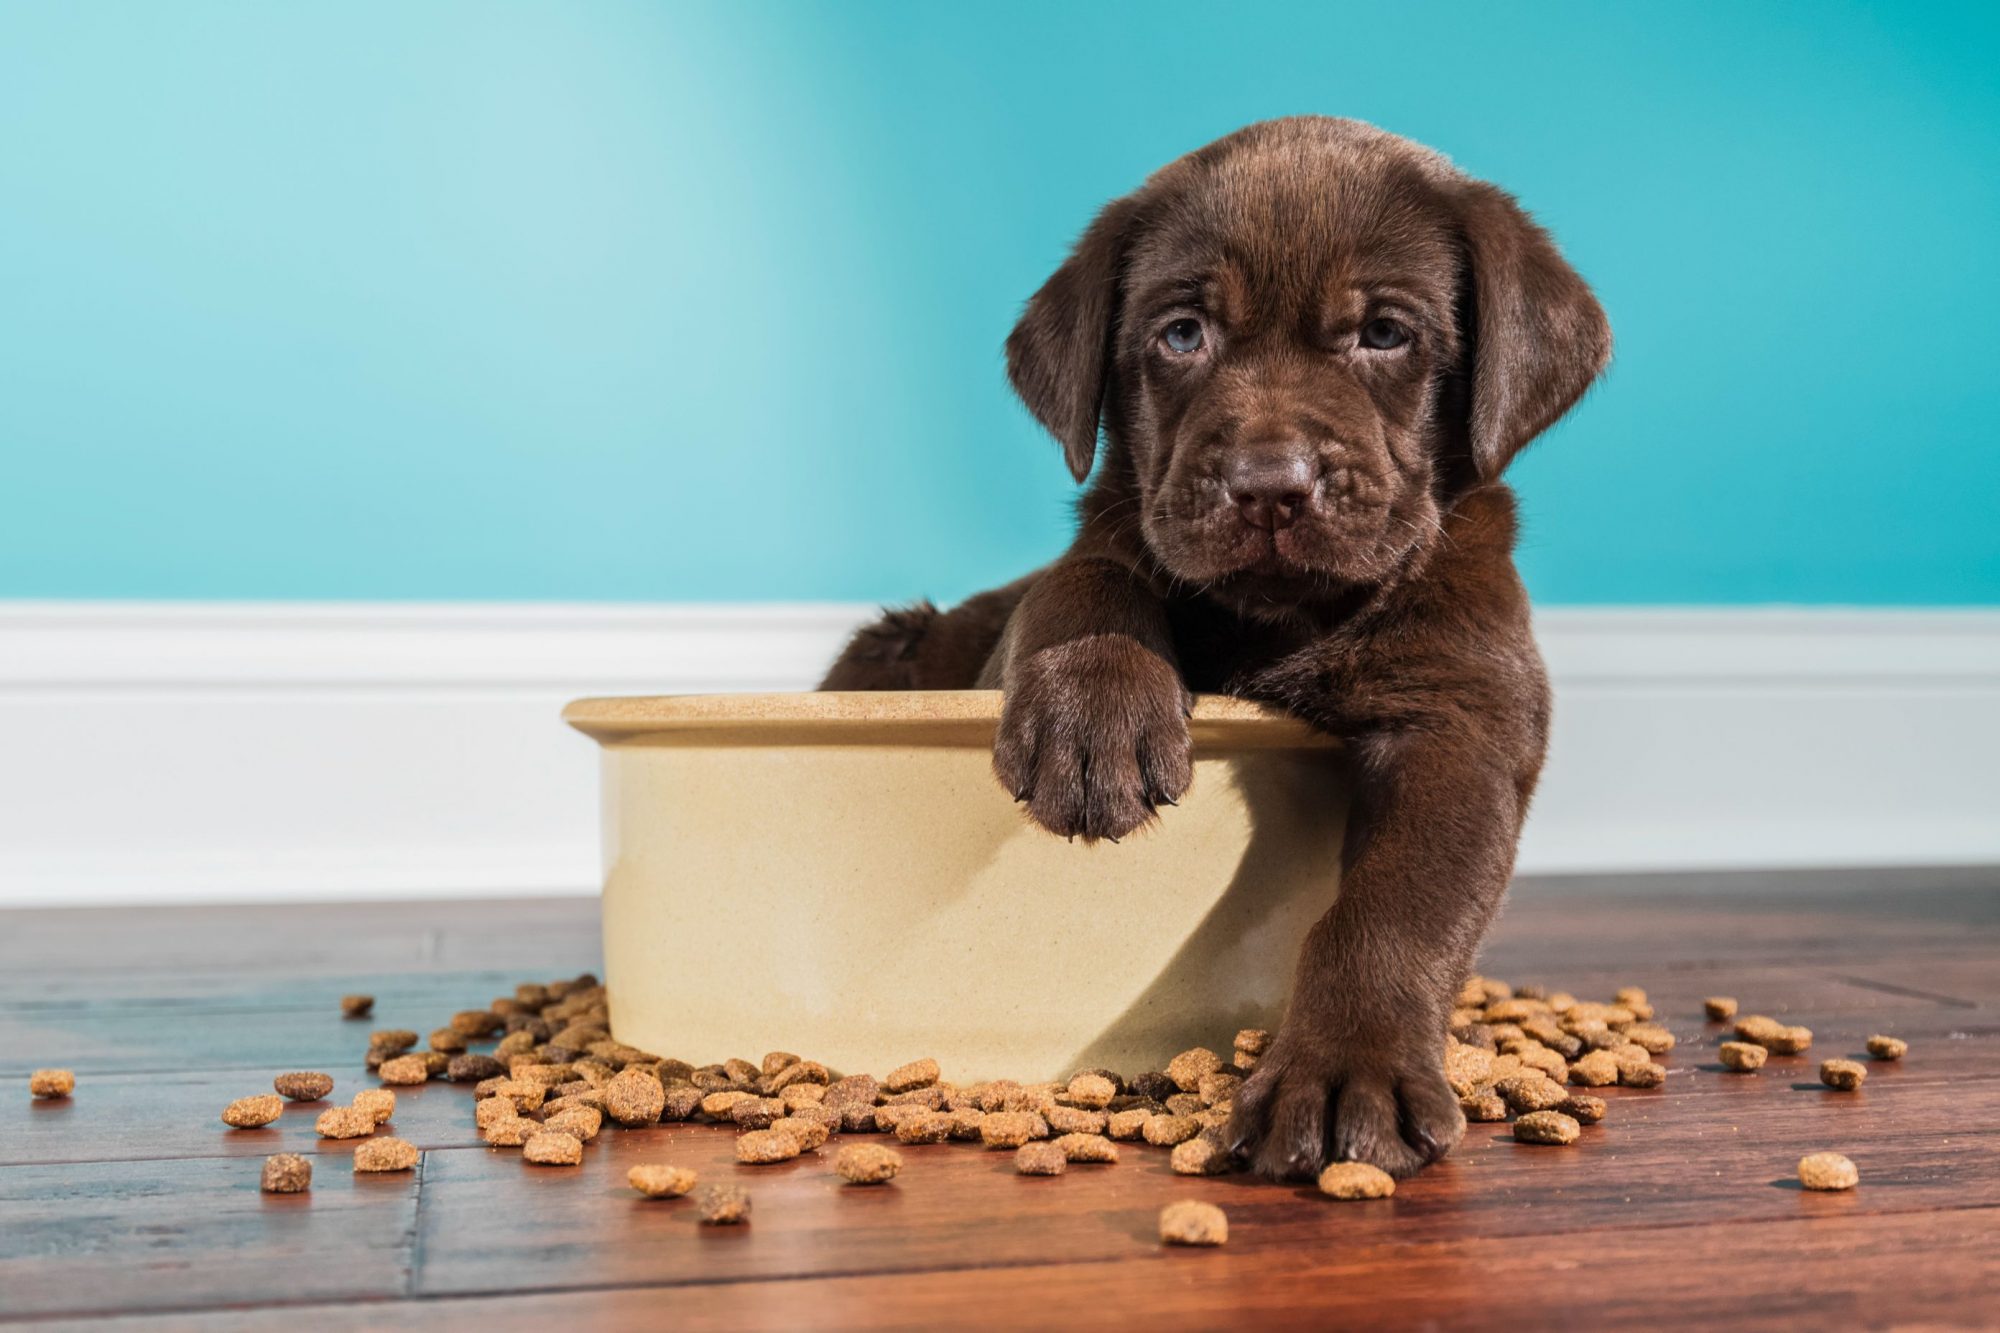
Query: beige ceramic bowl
point(841, 875)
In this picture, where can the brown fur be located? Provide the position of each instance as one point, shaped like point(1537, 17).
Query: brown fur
point(1380, 605)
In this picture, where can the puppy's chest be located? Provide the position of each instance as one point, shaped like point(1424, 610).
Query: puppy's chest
point(1220, 652)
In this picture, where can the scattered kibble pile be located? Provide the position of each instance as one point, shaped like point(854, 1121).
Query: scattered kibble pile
point(556, 1077)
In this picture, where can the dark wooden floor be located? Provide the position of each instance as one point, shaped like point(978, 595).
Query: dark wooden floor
point(131, 1203)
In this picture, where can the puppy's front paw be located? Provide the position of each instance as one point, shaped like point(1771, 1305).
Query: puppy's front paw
point(1380, 1100)
point(1094, 736)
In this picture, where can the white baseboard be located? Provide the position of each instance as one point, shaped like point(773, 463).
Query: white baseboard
point(201, 752)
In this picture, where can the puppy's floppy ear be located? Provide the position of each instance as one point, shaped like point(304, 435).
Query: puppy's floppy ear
point(1536, 336)
point(1058, 354)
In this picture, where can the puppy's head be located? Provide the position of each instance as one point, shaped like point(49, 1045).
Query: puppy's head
point(1302, 342)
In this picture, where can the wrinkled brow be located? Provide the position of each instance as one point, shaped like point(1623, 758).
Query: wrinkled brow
point(1215, 288)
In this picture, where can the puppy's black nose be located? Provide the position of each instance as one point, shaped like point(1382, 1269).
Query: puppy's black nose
point(1269, 489)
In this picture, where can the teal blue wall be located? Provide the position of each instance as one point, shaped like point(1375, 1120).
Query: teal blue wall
point(632, 301)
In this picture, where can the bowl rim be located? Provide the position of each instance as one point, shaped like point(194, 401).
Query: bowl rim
point(889, 717)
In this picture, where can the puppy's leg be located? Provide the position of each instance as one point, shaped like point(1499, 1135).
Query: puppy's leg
point(1093, 734)
point(922, 648)
point(883, 655)
point(1355, 1073)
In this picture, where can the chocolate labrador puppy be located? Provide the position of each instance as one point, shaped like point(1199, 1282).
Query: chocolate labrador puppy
point(1312, 348)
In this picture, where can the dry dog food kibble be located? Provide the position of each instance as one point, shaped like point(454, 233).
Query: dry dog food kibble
point(1642, 1074)
point(1127, 1124)
point(1187, 1068)
point(51, 1083)
point(1010, 1129)
point(925, 1127)
point(722, 1205)
point(1827, 1171)
point(1466, 1067)
point(660, 1182)
point(253, 1112)
point(1191, 1222)
point(1165, 1131)
point(1546, 1127)
point(1072, 1120)
point(867, 1163)
point(857, 1090)
point(634, 1098)
point(1086, 1148)
point(405, 1070)
point(553, 1148)
point(1719, 1008)
point(811, 1133)
point(1356, 1180)
point(492, 1111)
point(762, 1146)
point(357, 1006)
point(1789, 1041)
point(1887, 1048)
point(303, 1086)
point(1842, 1075)
point(526, 1096)
point(579, 1122)
point(1198, 1157)
point(512, 1131)
point(1582, 1108)
point(344, 1122)
point(796, 1095)
point(1040, 1159)
point(1549, 1063)
point(1485, 1106)
point(756, 1112)
point(1655, 1039)
point(287, 1173)
point(376, 1103)
point(1744, 1057)
point(1093, 1092)
point(384, 1154)
point(477, 1022)
point(916, 1074)
point(1530, 1092)
point(1218, 1089)
point(473, 1068)
point(1756, 1027)
point(1594, 1070)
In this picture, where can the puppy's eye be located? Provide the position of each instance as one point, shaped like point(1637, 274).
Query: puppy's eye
point(1183, 336)
point(1380, 335)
